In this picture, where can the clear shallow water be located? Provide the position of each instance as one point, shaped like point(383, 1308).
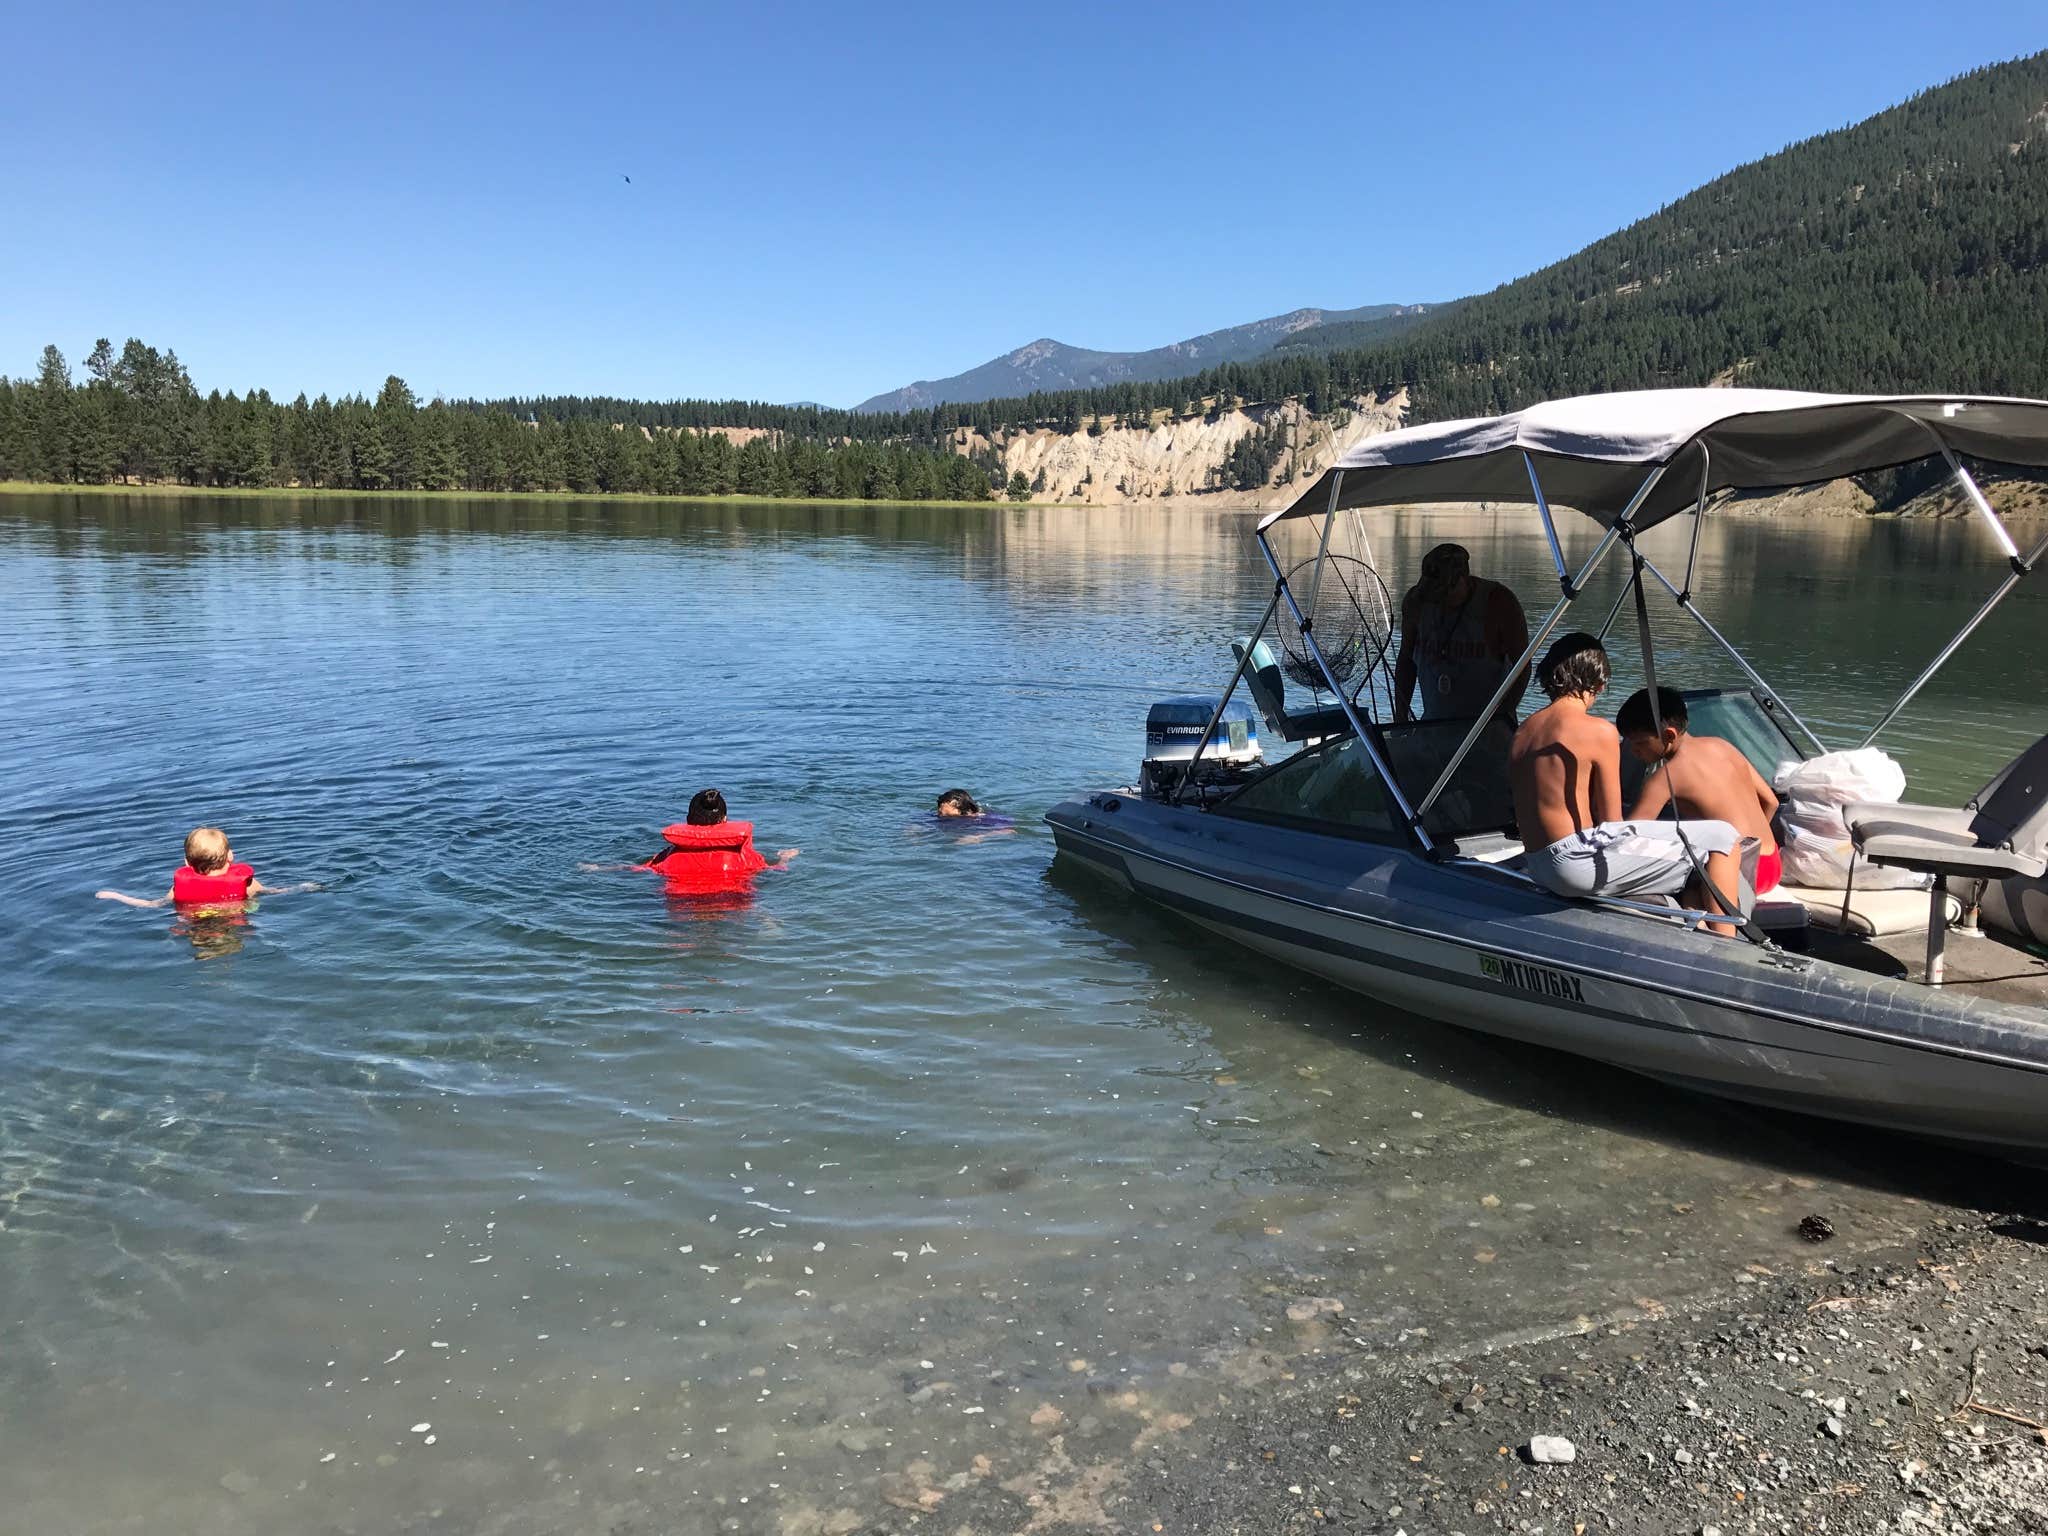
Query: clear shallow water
point(667, 1209)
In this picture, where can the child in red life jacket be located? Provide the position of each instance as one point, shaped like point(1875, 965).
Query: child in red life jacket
point(707, 852)
point(210, 877)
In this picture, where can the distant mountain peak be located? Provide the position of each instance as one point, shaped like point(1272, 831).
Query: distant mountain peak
point(1046, 365)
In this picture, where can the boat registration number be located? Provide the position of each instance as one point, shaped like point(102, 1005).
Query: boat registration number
point(1532, 978)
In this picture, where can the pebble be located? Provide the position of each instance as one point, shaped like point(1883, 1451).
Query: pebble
point(1313, 1307)
point(1470, 1403)
point(1682, 1456)
point(1834, 1427)
point(1550, 1450)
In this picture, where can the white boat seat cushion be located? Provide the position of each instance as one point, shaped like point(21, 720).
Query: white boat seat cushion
point(1872, 914)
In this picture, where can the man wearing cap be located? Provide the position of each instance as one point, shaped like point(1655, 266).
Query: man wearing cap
point(1459, 635)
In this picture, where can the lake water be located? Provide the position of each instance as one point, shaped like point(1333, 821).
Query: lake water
point(478, 1192)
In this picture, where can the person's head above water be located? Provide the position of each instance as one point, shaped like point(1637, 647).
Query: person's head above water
point(957, 802)
point(1577, 664)
point(207, 850)
point(707, 808)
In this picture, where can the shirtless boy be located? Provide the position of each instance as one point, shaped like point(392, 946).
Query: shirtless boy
point(1565, 766)
point(1706, 775)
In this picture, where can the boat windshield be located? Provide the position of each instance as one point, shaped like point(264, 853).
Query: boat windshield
point(1328, 788)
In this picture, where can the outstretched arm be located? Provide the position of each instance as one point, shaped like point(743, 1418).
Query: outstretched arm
point(258, 888)
point(133, 901)
point(1766, 797)
point(1656, 793)
point(1404, 663)
point(783, 857)
point(1508, 637)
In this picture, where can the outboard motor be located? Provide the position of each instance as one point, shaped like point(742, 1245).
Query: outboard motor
point(1173, 728)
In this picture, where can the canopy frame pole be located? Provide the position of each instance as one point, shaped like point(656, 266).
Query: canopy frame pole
point(1699, 521)
point(1549, 526)
point(2021, 568)
point(1216, 718)
point(1572, 587)
point(1315, 590)
point(1973, 495)
point(1756, 678)
point(1379, 763)
point(1614, 612)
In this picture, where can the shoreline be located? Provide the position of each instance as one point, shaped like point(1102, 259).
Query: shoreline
point(1761, 509)
point(328, 493)
point(1863, 1393)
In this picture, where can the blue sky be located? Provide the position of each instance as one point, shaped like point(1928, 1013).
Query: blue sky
point(830, 201)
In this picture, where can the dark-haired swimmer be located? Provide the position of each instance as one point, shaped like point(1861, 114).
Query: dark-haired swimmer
point(705, 849)
point(958, 811)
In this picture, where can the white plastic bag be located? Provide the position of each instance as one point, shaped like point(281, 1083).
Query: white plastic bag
point(1817, 849)
point(1842, 778)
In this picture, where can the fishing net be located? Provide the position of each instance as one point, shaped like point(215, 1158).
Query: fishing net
point(1347, 606)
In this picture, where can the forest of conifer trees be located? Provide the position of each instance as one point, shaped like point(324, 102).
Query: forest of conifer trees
point(137, 418)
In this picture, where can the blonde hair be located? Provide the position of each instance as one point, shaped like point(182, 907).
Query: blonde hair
point(206, 849)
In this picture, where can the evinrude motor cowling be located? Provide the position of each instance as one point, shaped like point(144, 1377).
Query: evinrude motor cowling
point(1173, 729)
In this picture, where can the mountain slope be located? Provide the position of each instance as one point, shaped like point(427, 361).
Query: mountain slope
point(1046, 365)
point(1908, 251)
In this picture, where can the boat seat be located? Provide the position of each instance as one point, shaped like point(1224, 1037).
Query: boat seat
point(1269, 692)
point(2009, 812)
point(1871, 914)
point(2000, 834)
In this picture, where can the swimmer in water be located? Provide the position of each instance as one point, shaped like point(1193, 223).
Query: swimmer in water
point(210, 877)
point(706, 849)
point(958, 811)
point(707, 810)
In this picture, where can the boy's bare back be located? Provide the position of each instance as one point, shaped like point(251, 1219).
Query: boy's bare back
point(1565, 766)
point(1713, 781)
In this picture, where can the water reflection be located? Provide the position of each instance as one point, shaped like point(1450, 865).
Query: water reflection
point(643, 1208)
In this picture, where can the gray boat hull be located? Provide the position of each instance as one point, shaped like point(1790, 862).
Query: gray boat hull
point(1475, 949)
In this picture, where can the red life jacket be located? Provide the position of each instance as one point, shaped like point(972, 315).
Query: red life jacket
point(720, 858)
point(190, 888)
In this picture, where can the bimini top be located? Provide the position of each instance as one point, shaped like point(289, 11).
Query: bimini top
point(1594, 452)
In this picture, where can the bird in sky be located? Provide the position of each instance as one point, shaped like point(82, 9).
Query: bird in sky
point(629, 180)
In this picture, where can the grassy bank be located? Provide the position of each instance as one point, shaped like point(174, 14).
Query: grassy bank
point(322, 493)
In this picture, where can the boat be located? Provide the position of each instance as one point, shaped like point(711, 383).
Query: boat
point(1383, 856)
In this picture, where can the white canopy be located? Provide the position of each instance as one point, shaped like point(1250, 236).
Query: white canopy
point(1593, 452)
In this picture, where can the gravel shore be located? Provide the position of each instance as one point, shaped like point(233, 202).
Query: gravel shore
point(1899, 1391)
